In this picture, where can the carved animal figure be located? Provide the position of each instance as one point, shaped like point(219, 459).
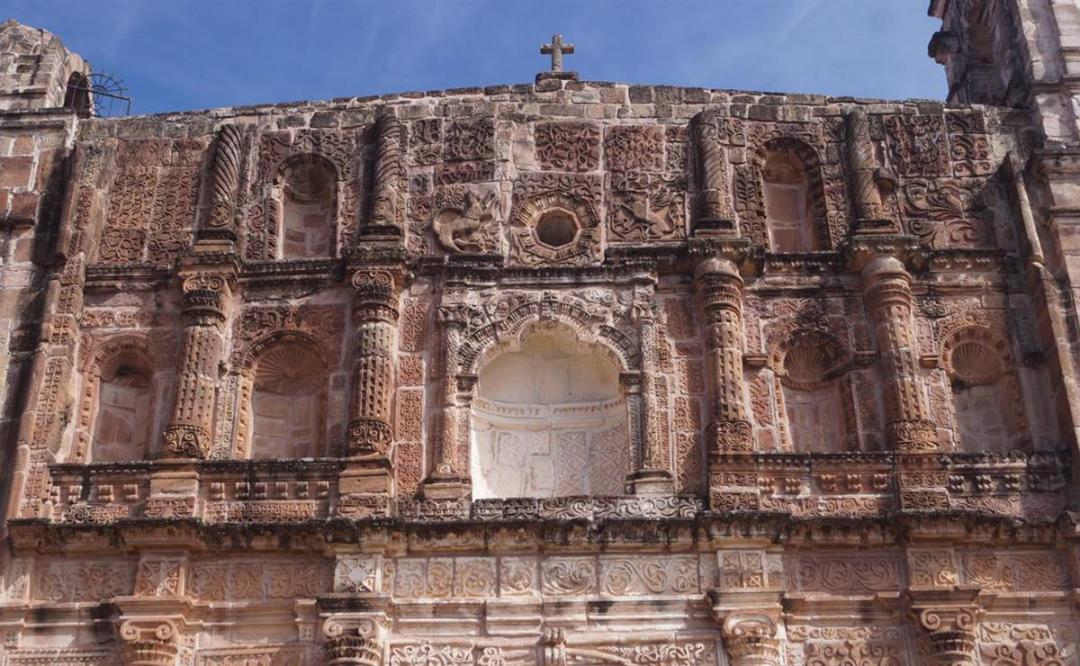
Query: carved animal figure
point(655, 210)
point(468, 230)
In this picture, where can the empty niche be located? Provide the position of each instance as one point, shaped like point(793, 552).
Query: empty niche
point(550, 420)
point(986, 397)
point(790, 185)
point(811, 377)
point(287, 402)
point(125, 401)
point(306, 192)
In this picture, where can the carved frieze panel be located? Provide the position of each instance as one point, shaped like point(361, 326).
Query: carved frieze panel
point(65, 580)
point(842, 574)
point(567, 146)
point(151, 208)
point(251, 656)
point(425, 141)
point(634, 148)
point(62, 657)
point(916, 144)
point(871, 645)
point(645, 575)
point(1008, 644)
point(1014, 571)
point(946, 214)
point(969, 144)
point(468, 151)
point(219, 580)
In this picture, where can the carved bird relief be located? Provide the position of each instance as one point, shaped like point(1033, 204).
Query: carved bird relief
point(470, 229)
point(658, 212)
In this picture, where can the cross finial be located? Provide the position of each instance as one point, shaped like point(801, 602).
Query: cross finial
point(556, 49)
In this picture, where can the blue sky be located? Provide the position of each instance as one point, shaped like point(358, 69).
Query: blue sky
point(192, 54)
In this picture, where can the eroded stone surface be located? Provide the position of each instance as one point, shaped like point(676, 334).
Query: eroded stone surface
point(565, 373)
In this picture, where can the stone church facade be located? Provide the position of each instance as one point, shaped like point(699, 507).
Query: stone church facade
point(565, 373)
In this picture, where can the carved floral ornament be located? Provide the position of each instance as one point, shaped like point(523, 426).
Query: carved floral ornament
point(489, 333)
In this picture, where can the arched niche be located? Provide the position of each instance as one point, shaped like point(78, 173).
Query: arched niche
point(549, 418)
point(985, 390)
point(284, 393)
point(815, 397)
point(77, 96)
point(305, 194)
point(118, 414)
point(795, 213)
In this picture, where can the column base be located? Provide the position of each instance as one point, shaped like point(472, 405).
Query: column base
point(651, 482)
point(364, 488)
point(875, 225)
point(446, 486)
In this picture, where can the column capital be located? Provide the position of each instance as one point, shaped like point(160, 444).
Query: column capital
point(949, 630)
point(751, 636)
point(149, 642)
point(376, 293)
point(206, 295)
point(353, 638)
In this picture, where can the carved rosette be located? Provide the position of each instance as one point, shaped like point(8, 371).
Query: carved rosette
point(714, 210)
point(719, 290)
point(750, 640)
point(376, 311)
point(154, 645)
point(388, 197)
point(189, 432)
point(225, 181)
point(869, 207)
point(887, 288)
point(950, 634)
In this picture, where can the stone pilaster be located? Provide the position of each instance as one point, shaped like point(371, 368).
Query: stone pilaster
point(654, 475)
point(450, 477)
point(388, 198)
point(714, 212)
point(719, 289)
point(219, 222)
point(871, 215)
point(376, 314)
point(887, 290)
point(206, 299)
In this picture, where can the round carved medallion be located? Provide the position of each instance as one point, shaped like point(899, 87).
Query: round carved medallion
point(554, 228)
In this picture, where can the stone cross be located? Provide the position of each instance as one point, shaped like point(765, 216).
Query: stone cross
point(556, 49)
